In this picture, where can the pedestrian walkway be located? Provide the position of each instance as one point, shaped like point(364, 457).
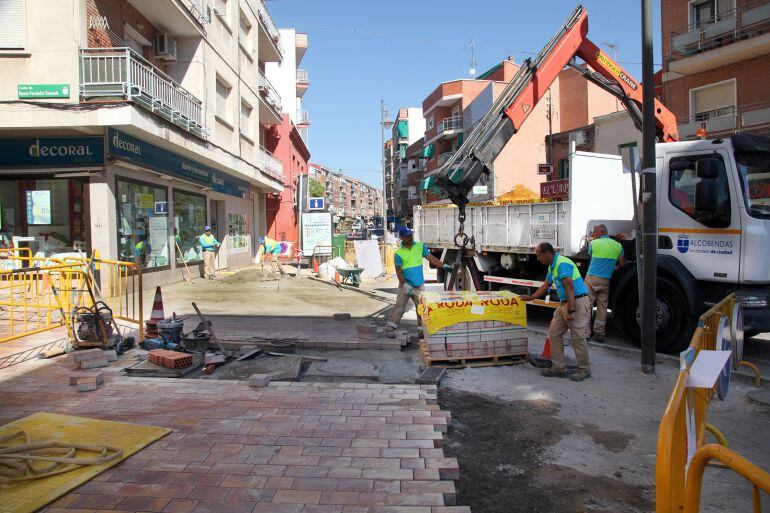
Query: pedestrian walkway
point(289, 447)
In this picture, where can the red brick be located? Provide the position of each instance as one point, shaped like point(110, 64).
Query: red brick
point(208, 493)
point(297, 496)
point(224, 507)
point(96, 501)
point(244, 481)
point(314, 483)
point(340, 497)
point(143, 504)
point(250, 494)
point(180, 506)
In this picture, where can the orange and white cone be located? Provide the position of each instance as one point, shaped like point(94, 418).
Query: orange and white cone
point(156, 315)
point(546, 355)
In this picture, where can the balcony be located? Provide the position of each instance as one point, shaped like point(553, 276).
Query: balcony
point(754, 117)
point(303, 82)
point(444, 158)
point(269, 37)
point(271, 100)
point(729, 37)
point(303, 118)
point(300, 45)
point(109, 73)
point(270, 165)
point(182, 18)
point(450, 126)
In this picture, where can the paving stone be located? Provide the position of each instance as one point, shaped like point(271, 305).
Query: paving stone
point(259, 380)
point(93, 363)
point(74, 376)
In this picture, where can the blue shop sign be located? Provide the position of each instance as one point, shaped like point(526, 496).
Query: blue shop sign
point(35, 152)
point(130, 148)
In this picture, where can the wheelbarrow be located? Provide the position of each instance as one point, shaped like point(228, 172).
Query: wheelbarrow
point(351, 276)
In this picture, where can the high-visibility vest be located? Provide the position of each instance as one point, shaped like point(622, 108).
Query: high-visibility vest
point(207, 241)
point(553, 271)
point(605, 247)
point(270, 243)
point(411, 257)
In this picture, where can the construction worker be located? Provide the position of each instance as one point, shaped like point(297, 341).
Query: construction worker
point(271, 247)
point(572, 314)
point(209, 244)
point(411, 281)
point(606, 256)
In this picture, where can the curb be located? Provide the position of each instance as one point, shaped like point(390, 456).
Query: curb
point(351, 288)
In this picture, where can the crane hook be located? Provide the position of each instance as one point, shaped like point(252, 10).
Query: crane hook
point(461, 239)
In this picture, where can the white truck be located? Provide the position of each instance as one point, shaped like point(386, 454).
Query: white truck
point(714, 232)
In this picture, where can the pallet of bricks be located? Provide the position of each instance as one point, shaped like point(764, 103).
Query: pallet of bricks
point(467, 329)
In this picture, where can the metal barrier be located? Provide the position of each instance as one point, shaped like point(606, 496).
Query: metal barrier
point(682, 452)
point(28, 292)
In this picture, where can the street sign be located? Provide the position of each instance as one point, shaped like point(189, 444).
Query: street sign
point(544, 169)
point(317, 231)
point(161, 207)
point(316, 204)
point(28, 91)
point(480, 189)
point(555, 189)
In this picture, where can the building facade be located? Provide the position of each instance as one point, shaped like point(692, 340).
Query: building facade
point(288, 140)
point(408, 128)
point(716, 64)
point(128, 125)
point(354, 204)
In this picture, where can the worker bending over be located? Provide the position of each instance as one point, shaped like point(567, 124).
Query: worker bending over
point(411, 280)
point(270, 247)
point(209, 244)
point(606, 257)
point(572, 314)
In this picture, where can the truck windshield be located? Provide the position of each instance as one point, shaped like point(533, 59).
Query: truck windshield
point(754, 170)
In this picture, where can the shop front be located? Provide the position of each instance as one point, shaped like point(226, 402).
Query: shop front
point(163, 200)
point(44, 197)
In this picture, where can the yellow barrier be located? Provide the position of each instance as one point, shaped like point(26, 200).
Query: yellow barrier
point(28, 304)
point(678, 486)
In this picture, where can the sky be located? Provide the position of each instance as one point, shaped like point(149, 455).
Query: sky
point(361, 51)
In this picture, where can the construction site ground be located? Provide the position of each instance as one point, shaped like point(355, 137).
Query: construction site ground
point(523, 442)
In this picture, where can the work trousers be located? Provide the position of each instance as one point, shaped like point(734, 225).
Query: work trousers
point(402, 301)
point(577, 327)
point(208, 263)
point(599, 291)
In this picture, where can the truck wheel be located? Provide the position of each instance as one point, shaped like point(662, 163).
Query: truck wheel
point(674, 323)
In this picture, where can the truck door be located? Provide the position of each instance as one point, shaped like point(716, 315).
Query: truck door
point(706, 240)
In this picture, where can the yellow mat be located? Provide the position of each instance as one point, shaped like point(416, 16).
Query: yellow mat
point(28, 497)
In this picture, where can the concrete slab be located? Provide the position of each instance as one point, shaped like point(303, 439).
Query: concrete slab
point(338, 370)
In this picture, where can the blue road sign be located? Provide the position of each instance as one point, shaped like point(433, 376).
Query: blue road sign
point(316, 204)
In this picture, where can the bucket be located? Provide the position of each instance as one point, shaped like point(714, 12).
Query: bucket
point(197, 342)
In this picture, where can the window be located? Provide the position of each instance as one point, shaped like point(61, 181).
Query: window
point(237, 232)
point(189, 220)
point(246, 119)
point(685, 186)
point(702, 12)
point(713, 101)
point(136, 41)
point(13, 25)
point(245, 33)
point(429, 122)
point(223, 99)
point(142, 233)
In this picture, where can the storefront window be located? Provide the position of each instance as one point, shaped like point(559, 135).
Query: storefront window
point(189, 220)
point(143, 223)
point(237, 232)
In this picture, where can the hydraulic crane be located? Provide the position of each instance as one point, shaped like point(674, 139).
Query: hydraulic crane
point(517, 101)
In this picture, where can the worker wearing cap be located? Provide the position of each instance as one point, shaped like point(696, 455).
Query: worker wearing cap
point(572, 314)
point(270, 247)
point(209, 244)
point(411, 281)
point(606, 256)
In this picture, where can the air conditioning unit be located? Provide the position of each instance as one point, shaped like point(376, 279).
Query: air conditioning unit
point(165, 47)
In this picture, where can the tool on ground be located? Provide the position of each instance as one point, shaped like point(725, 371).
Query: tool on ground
point(210, 329)
point(351, 276)
point(186, 274)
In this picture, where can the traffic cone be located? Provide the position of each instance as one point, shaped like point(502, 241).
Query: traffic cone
point(315, 265)
point(156, 315)
point(546, 349)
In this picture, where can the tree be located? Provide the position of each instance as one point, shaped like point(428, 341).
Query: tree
point(315, 188)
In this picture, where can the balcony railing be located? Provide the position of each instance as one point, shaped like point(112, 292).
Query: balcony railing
point(122, 73)
point(268, 92)
point(723, 29)
point(272, 29)
point(450, 123)
point(198, 10)
point(270, 164)
point(303, 77)
point(303, 117)
point(754, 116)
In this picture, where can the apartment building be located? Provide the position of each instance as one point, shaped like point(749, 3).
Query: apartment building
point(408, 128)
point(128, 125)
point(351, 201)
point(455, 107)
point(288, 141)
point(716, 63)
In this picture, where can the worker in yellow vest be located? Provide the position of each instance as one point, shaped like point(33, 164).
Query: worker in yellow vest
point(572, 314)
point(270, 247)
point(411, 280)
point(209, 244)
point(606, 256)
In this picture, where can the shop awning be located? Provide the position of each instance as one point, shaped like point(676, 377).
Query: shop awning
point(460, 139)
point(428, 152)
point(402, 151)
point(403, 128)
point(427, 183)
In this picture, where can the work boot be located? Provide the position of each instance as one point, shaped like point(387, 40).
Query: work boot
point(580, 375)
point(553, 372)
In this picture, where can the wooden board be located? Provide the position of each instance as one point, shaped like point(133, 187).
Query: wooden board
point(457, 362)
point(145, 369)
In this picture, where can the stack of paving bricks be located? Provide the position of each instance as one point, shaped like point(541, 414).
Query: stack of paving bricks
point(170, 359)
point(288, 447)
point(490, 324)
point(372, 336)
point(85, 380)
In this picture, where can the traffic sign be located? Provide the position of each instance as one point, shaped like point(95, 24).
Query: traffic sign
point(316, 204)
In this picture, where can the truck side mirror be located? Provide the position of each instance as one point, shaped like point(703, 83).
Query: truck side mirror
point(706, 198)
point(709, 169)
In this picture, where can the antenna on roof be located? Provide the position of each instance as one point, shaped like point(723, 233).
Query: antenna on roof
point(472, 61)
